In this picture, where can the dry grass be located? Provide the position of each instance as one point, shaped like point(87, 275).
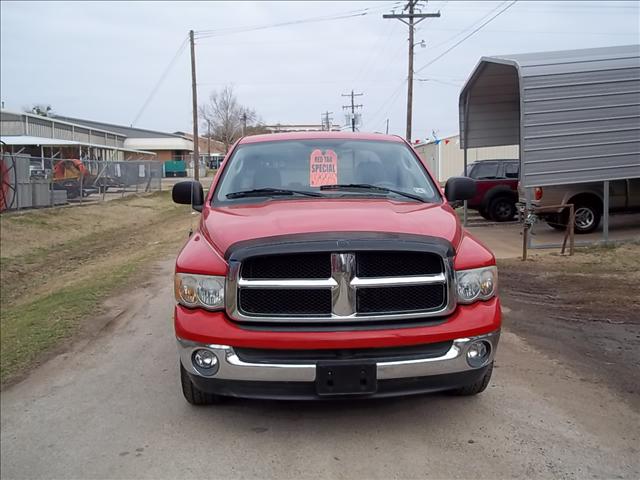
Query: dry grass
point(596, 284)
point(57, 266)
point(615, 260)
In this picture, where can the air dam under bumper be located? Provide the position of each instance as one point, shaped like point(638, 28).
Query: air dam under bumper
point(238, 378)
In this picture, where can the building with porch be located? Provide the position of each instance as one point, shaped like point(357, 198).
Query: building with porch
point(53, 137)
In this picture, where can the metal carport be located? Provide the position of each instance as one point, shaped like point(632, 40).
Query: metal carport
point(575, 114)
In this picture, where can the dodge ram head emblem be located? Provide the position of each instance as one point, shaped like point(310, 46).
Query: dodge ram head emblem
point(343, 293)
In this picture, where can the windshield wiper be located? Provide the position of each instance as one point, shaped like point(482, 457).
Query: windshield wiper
point(366, 186)
point(267, 192)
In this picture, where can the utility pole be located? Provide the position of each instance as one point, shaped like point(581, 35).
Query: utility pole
point(208, 140)
point(244, 123)
point(412, 19)
point(352, 107)
point(387, 130)
point(194, 97)
point(326, 121)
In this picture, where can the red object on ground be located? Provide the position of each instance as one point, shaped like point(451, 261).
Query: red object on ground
point(72, 168)
point(5, 185)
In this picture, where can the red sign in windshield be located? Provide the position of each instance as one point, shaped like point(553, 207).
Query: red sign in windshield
point(323, 168)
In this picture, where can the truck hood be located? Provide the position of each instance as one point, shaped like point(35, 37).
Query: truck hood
point(224, 226)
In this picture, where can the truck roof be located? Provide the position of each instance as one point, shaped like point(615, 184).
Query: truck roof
point(274, 137)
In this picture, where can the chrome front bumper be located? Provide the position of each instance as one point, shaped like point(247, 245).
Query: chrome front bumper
point(231, 367)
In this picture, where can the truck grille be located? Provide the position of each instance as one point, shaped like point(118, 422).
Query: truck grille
point(301, 265)
point(412, 298)
point(397, 264)
point(263, 301)
point(328, 288)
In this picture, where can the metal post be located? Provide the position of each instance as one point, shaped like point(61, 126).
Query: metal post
point(51, 194)
point(194, 101)
point(605, 227)
point(208, 142)
point(568, 232)
point(17, 192)
point(572, 232)
point(527, 209)
point(464, 139)
point(464, 217)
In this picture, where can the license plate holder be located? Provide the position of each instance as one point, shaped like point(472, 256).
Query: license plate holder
point(346, 378)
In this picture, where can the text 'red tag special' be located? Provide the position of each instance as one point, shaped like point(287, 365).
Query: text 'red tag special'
point(323, 168)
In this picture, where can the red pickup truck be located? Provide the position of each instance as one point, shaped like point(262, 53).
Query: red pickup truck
point(330, 265)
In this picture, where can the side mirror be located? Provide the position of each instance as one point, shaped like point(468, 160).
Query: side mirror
point(460, 188)
point(189, 192)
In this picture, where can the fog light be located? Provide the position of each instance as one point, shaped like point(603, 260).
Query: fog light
point(478, 353)
point(205, 359)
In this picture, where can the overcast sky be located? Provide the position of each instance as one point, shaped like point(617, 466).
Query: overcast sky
point(101, 60)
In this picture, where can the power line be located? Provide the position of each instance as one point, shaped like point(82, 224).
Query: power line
point(324, 18)
point(377, 51)
point(160, 80)
point(466, 36)
point(429, 21)
point(555, 6)
point(471, 26)
point(443, 82)
point(391, 98)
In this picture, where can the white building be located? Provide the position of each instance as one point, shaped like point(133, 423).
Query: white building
point(446, 158)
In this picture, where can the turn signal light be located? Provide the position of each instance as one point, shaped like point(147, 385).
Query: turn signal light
point(537, 192)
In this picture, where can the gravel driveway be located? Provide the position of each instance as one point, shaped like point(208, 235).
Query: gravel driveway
point(112, 408)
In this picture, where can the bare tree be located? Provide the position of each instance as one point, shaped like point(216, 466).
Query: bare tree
point(225, 119)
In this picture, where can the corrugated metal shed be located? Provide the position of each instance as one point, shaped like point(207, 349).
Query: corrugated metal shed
point(575, 113)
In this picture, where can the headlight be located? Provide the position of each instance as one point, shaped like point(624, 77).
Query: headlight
point(199, 291)
point(476, 284)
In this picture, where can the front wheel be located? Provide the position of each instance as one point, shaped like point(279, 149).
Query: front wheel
point(502, 209)
point(476, 387)
point(193, 394)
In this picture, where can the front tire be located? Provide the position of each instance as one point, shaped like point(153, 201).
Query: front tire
point(193, 394)
point(502, 209)
point(476, 387)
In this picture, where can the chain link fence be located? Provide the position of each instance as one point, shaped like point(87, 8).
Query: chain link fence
point(28, 182)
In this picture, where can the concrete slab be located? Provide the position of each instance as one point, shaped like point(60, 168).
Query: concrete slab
point(505, 240)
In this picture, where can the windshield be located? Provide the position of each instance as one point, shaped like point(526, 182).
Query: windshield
point(327, 168)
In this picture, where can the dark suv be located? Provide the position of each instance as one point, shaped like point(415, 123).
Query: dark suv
point(497, 192)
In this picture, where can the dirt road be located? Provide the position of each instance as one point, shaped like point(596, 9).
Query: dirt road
point(112, 408)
